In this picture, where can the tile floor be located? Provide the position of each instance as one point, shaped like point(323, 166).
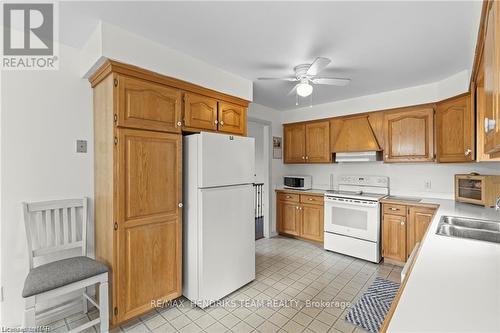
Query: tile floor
point(299, 287)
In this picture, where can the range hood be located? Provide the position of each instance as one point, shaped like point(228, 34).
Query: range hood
point(356, 141)
point(360, 156)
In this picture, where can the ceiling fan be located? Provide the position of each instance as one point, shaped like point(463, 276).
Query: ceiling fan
point(307, 74)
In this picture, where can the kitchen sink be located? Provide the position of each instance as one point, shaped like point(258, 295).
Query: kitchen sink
point(483, 230)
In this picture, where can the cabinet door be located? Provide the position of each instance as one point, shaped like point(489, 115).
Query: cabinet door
point(312, 222)
point(394, 237)
point(492, 80)
point(146, 105)
point(419, 219)
point(409, 136)
point(455, 130)
point(200, 112)
point(149, 220)
point(232, 119)
point(295, 143)
point(318, 142)
point(288, 218)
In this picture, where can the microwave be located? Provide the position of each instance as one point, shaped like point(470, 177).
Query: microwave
point(298, 182)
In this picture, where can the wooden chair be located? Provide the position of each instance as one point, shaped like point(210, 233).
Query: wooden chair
point(56, 230)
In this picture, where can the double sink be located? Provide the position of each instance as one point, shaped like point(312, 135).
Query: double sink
point(461, 227)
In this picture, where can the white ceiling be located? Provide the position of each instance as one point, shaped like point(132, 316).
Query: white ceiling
point(381, 46)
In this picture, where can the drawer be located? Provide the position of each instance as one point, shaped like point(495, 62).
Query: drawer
point(288, 197)
point(394, 209)
point(311, 199)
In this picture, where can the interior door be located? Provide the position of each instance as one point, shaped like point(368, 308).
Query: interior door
point(227, 240)
point(200, 112)
point(149, 219)
point(232, 118)
point(148, 105)
point(455, 130)
point(295, 143)
point(318, 142)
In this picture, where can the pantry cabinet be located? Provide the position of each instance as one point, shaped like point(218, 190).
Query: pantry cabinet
point(300, 215)
point(409, 135)
point(455, 130)
point(403, 226)
point(138, 192)
point(307, 142)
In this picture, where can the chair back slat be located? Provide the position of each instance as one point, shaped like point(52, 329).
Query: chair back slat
point(55, 228)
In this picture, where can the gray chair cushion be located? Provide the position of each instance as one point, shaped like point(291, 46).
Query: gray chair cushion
point(60, 273)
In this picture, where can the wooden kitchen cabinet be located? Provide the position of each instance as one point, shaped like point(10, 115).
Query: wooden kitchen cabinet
point(288, 216)
point(307, 142)
point(147, 105)
point(455, 130)
point(300, 215)
point(148, 234)
point(232, 118)
point(200, 112)
point(138, 193)
point(409, 135)
point(318, 142)
point(294, 144)
point(491, 64)
point(402, 227)
point(394, 237)
point(419, 219)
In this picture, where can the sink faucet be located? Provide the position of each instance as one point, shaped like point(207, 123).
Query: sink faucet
point(497, 204)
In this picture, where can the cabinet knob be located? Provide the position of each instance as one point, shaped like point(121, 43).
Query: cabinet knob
point(402, 223)
point(296, 207)
point(489, 125)
point(307, 157)
point(467, 152)
point(303, 157)
point(179, 124)
point(386, 155)
point(221, 122)
point(180, 205)
point(300, 208)
point(216, 122)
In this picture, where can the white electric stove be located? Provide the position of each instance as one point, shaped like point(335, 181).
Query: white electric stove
point(352, 216)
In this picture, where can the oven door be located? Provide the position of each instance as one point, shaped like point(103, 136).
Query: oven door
point(354, 218)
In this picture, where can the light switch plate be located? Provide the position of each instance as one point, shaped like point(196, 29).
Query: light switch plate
point(81, 146)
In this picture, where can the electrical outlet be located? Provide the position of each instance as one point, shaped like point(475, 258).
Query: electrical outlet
point(427, 184)
point(81, 146)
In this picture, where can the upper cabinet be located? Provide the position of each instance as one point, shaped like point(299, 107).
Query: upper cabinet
point(143, 104)
point(200, 112)
point(455, 130)
point(491, 67)
point(232, 118)
point(307, 143)
point(409, 135)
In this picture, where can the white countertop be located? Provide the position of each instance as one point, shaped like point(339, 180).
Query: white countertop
point(455, 283)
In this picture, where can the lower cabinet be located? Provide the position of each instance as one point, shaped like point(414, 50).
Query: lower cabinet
point(403, 226)
point(300, 215)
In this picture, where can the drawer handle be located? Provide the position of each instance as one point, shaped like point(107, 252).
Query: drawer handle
point(310, 199)
point(392, 208)
point(288, 196)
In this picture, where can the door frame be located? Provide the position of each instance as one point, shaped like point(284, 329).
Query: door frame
point(268, 208)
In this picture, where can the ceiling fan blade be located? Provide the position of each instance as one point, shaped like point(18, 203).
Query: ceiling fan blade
point(293, 91)
point(331, 81)
point(277, 78)
point(317, 66)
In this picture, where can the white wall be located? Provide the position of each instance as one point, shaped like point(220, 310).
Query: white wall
point(272, 117)
point(109, 41)
point(43, 113)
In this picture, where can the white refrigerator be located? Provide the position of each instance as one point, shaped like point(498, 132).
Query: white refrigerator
point(219, 226)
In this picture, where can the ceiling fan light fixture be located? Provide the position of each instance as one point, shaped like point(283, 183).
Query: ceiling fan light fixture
point(304, 89)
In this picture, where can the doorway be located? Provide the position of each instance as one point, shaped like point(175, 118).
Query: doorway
point(261, 132)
